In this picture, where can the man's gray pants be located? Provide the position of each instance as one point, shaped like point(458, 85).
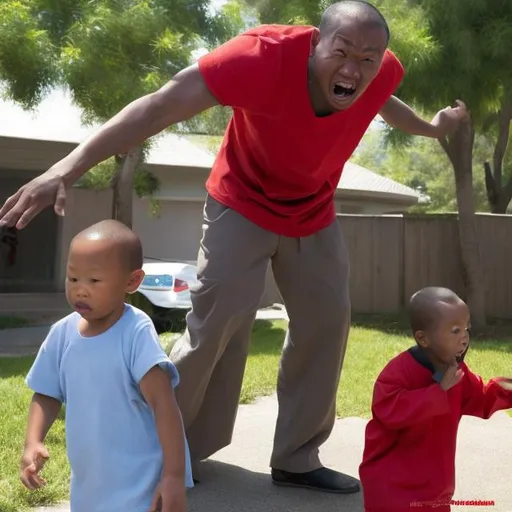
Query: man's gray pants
point(312, 275)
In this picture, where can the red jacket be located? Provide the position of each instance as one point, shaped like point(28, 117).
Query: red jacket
point(410, 442)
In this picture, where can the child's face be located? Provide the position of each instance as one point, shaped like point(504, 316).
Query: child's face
point(449, 337)
point(97, 280)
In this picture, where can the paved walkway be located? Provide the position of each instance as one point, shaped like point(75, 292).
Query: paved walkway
point(22, 340)
point(27, 340)
point(237, 478)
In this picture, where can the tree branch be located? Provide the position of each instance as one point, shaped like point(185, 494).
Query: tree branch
point(505, 116)
point(490, 186)
point(507, 193)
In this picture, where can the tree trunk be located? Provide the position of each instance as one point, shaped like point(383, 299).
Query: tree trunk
point(498, 198)
point(498, 194)
point(460, 151)
point(122, 186)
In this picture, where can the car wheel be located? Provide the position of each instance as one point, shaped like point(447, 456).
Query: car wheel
point(170, 320)
point(164, 320)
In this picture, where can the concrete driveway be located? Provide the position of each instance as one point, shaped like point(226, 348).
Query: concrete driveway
point(237, 478)
point(27, 340)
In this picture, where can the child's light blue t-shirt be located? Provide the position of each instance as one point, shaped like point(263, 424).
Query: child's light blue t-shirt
point(112, 441)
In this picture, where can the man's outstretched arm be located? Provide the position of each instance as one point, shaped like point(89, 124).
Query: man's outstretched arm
point(185, 96)
point(399, 115)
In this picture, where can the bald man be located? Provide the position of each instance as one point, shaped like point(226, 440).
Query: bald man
point(302, 99)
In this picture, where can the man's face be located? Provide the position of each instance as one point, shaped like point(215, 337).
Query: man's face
point(344, 62)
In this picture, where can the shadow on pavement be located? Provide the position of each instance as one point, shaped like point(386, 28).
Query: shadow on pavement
point(227, 488)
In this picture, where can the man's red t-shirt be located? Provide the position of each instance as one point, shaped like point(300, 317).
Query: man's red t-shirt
point(279, 165)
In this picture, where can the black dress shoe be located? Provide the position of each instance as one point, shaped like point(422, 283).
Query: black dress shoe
point(322, 479)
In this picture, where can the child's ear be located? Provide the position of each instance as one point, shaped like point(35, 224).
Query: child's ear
point(136, 278)
point(421, 339)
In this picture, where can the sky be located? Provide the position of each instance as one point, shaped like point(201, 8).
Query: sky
point(216, 4)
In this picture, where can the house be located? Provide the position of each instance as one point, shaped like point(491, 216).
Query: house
point(35, 267)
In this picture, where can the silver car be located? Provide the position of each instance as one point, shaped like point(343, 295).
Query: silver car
point(164, 294)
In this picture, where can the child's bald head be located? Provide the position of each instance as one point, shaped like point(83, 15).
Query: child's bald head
point(104, 264)
point(424, 306)
point(114, 235)
point(440, 321)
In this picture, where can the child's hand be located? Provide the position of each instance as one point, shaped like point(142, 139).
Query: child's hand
point(505, 383)
point(452, 377)
point(170, 496)
point(32, 462)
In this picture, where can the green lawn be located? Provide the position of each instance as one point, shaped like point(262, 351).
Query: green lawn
point(373, 341)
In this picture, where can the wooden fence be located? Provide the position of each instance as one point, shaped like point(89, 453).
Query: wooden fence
point(391, 257)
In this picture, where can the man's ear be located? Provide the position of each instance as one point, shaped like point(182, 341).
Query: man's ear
point(315, 39)
point(136, 278)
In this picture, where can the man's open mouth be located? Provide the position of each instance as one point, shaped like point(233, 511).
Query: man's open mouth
point(343, 90)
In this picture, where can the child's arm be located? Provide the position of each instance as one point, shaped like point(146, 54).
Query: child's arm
point(396, 406)
point(42, 414)
point(44, 380)
point(482, 399)
point(159, 394)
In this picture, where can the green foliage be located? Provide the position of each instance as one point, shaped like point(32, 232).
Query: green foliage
point(145, 183)
point(28, 61)
point(120, 50)
point(470, 59)
point(233, 18)
point(294, 12)
point(422, 165)
point(211, 122)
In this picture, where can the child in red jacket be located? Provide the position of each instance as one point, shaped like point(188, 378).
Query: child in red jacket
point(419, 398)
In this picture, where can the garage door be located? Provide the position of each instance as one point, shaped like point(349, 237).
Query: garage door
point(174, 234)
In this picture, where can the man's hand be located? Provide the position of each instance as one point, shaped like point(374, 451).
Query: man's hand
point(452, 376)
point(170, 496)
point(398, 114)
point(43, 191)
point(32, 462)
point(447, 121)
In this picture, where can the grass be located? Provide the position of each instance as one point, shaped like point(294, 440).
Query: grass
point(15, 398)
point(373, 341)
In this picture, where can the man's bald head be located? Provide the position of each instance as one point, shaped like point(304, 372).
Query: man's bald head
point(122, 239)
point(359, 9)
point(424, 306)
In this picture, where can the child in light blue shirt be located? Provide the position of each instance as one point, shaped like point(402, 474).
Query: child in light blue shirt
point(124, 432)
